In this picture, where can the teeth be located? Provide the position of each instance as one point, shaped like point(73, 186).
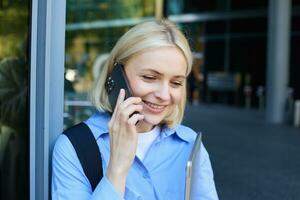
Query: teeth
point(154, 106)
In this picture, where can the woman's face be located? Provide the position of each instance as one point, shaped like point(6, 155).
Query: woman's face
point(158, 76)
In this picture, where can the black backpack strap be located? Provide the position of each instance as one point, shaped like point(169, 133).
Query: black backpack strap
point(87, 151)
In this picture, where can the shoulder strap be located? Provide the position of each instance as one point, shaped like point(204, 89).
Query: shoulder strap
point(87, 151)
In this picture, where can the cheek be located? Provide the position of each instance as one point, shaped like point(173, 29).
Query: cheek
point(178, 96)
point(138, 87)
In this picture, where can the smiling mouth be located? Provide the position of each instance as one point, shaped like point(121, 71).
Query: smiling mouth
point(154, 107)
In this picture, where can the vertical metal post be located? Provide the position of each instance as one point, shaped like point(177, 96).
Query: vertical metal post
point(278, 59)
point(247, 93)
point(159, 8)
point(46, 89)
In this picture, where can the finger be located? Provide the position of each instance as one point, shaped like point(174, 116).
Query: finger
point(129, 101)
point(134, 119)
point(120, 99)
point(126, 113)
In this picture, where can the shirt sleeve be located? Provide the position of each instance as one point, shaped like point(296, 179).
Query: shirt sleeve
point(69, 180)
point(206, 189)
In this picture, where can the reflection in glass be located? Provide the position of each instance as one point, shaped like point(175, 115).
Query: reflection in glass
point(92, 28)
point(14, 71)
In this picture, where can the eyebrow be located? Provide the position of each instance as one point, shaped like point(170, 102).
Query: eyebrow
point(156, 72)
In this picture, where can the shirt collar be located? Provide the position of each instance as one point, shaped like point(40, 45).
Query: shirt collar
point(99, 125)
point(98, 122)
point(179, 131)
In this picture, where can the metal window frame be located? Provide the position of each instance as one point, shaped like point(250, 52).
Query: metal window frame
point(46, 89)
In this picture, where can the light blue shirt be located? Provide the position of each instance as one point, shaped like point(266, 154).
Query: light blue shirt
point(160, 176)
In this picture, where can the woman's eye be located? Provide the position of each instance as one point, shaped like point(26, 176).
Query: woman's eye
point(177, 84)
point(149, 77)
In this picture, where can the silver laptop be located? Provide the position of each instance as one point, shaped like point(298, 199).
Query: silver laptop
point(190, 167)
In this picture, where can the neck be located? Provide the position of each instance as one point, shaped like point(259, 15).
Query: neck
point(143, 126)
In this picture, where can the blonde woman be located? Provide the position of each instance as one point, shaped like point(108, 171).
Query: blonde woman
point(144, 149)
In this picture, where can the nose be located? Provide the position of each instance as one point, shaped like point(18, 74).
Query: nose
point(163, 92)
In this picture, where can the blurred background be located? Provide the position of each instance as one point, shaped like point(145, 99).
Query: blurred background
point(228, 39)
point(233, 89)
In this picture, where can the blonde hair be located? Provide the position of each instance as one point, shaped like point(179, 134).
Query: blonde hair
point(143, 36)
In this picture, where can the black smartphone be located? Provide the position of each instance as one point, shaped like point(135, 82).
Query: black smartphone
point(115, 82)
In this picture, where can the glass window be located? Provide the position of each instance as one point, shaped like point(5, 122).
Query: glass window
point(214, 55)
point(192, 6)
point(296, 2)
point(249, 4)
point(14, 75)
point(295, 61)
point(215, 27)
point(92, 29)
point(295, 24)
point(251, 25)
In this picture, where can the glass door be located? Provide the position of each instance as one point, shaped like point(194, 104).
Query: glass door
point(92, 29)
point(14, 76)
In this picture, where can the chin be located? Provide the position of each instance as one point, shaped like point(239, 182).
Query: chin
point(152, 120)
point(155, 119)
